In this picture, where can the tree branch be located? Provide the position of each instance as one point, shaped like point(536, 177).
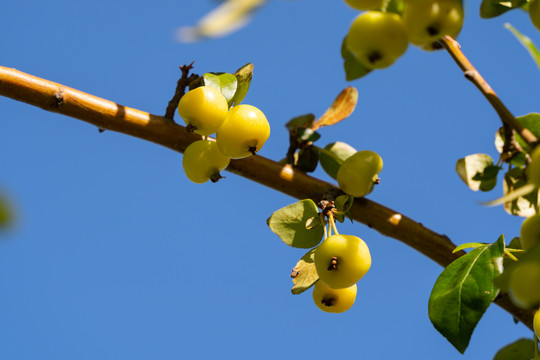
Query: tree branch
point(454, 49)
point(108, 115)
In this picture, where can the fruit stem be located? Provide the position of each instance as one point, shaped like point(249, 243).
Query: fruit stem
point(333, 223)
point(454, 49)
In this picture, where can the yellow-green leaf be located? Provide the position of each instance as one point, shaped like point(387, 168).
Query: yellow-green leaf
point(526, 42)
point(291, 224)
point(304, 273)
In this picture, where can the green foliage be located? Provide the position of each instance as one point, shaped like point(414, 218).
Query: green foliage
point(470, 245)
point(290, 223)
point(522, 349)
point(353, 68)
point(532, 123)
point(243, 78)
point(304, 273)
point(302, 121)
point(526, 42)
point(494, 8)
point(307, 159)
point(333, 155)
point(464, 291)
point(478, 172)
point(233, 86)
point(524, 204)
point(224, 82)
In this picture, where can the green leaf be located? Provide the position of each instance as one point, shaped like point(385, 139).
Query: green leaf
point(224, 82)
point(516, 184)
point(478, 172)
point(243, 78)
point(522, 349)
point(333, 155)
point(518, 159)
point(308, 158)
point(289, 223)
point(469, 245)
point(494, 8)
point(526, 42)
point(302, 121)
point(464, 291)
point(353, 69)
point(307, 134)
point(532, 123)
point(304, 273)
point(313, 221)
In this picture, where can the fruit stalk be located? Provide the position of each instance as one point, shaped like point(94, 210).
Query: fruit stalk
point(454, 49)
point(105, 114)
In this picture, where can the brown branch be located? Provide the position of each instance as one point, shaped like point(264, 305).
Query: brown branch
point(454, 49)
point(108, 115)
point(181, 85)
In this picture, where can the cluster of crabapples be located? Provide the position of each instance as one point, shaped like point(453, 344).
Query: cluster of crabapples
point(240, 132)
point(524, 280)
point(378, 37)
point(342, 260)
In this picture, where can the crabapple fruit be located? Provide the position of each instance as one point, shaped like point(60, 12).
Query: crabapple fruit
point(429, 20)
point(333, 300)
point(243, 133)
point(342, 260)
point(203, 161)
point(377, 39)
point(524, 285)
point(357, 175)
point(203, 109)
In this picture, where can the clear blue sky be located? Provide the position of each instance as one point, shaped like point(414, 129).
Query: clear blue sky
point(116, 255)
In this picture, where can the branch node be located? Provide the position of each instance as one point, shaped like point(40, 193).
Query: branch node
point(181, 85)
point(470, 74)
point(58, 99)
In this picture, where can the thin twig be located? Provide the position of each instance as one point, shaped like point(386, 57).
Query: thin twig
point(181, 85)
point(454, 49)
point(108, 115)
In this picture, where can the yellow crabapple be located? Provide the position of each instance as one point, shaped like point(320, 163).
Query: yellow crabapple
point(357, 175)
point(429, 20)
point(333, 300)
point(530, 232)
point(203, 109)
point(203, 161)
point(533, 169)
point(243, 133)
point(524, 285)
point(342, 260)
point(377, 39)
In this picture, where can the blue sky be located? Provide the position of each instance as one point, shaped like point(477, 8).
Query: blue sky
point(115, 254)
